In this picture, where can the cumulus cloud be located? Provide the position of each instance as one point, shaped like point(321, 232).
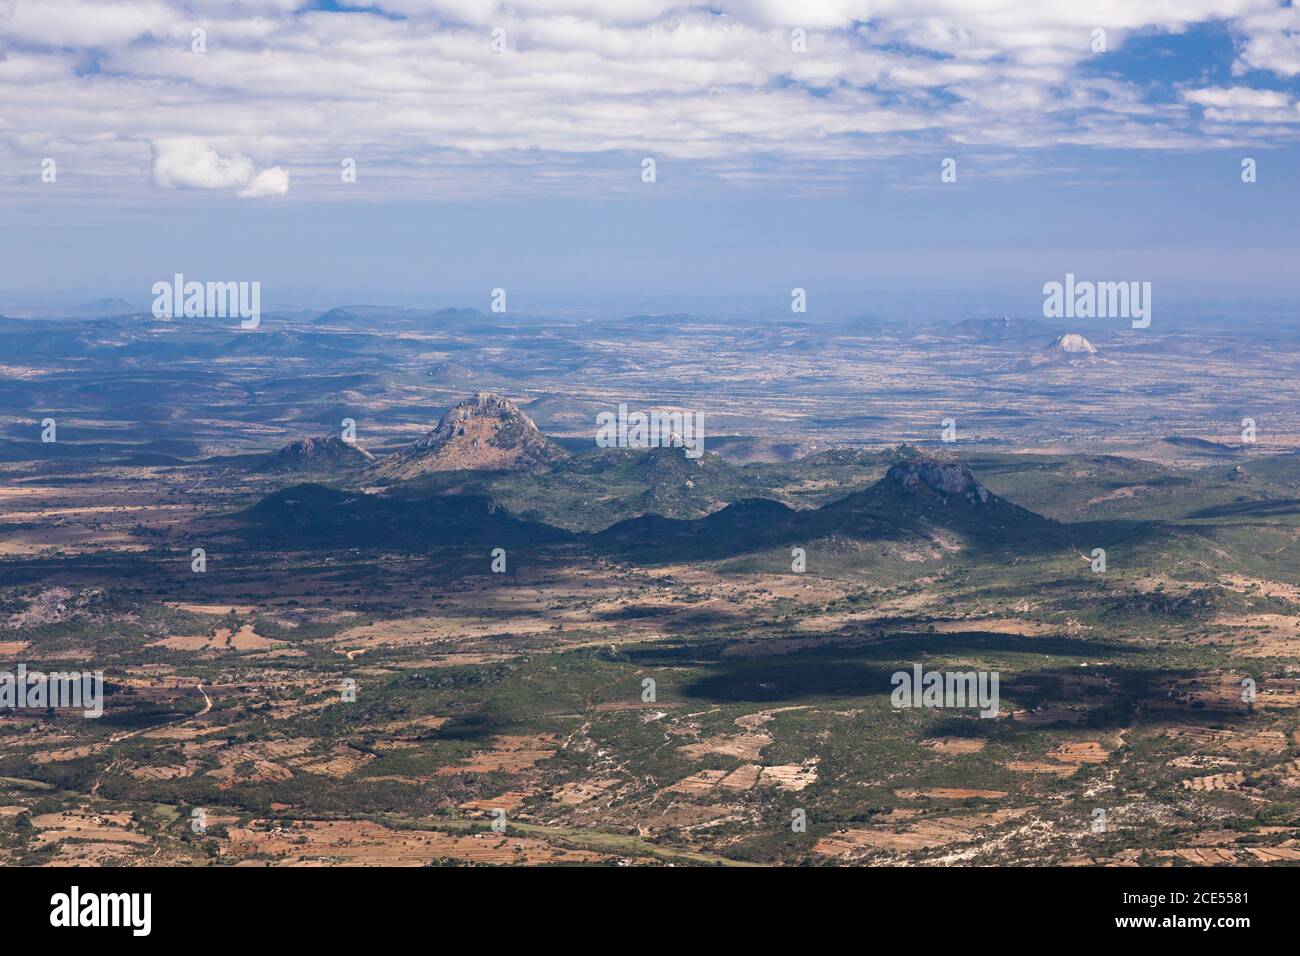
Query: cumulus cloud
point(189, 163)
point(1272, 42)
point(269, 182)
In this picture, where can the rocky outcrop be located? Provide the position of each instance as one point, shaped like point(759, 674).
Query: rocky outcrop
point(1075, 344)
point(1068, 351)
point(487, 431)
point(947, 478)
point(322, 453)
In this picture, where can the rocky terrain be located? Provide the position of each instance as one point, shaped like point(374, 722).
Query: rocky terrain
point(633, 657)
point(326, 453)
point(1075, 344)
point(486, 431)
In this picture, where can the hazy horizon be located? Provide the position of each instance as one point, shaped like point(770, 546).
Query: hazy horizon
point(819, 167)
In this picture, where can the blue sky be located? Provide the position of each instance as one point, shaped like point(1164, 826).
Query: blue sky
point(776, 167)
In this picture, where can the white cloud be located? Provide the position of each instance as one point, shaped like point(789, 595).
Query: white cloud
point(86, 23)
point(1241, 104)
point(424, 100)
point(1240, 97)
point(269, 182)
point(1272, 42)
point(189, 163)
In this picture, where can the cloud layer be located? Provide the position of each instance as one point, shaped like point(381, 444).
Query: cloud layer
point(414, 92)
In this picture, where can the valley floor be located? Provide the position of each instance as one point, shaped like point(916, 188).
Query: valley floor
point(369, 706)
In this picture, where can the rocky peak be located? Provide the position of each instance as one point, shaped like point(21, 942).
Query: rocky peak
point(1075, 343)
point(484, 431)
point(946, 478)
point(323, 451)
point(482, 405)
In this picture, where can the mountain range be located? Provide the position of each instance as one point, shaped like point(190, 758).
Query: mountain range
point(923, 506)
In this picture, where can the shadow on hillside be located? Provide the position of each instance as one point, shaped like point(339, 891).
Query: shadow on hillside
point(901, 649)
point(1102, 696)
point(1251, 509)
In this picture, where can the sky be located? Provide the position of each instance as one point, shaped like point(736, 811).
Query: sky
point(505, 145)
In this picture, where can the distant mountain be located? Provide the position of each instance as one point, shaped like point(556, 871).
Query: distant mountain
point(754, 524)
point(1004, 329)
point(320, 454)
point(483, 432)
point(101, 308)
point(932, 495)
point(338, 317)
point(1073, 343)
point(922, 509)
point(920, 500)
point(1070, 349)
